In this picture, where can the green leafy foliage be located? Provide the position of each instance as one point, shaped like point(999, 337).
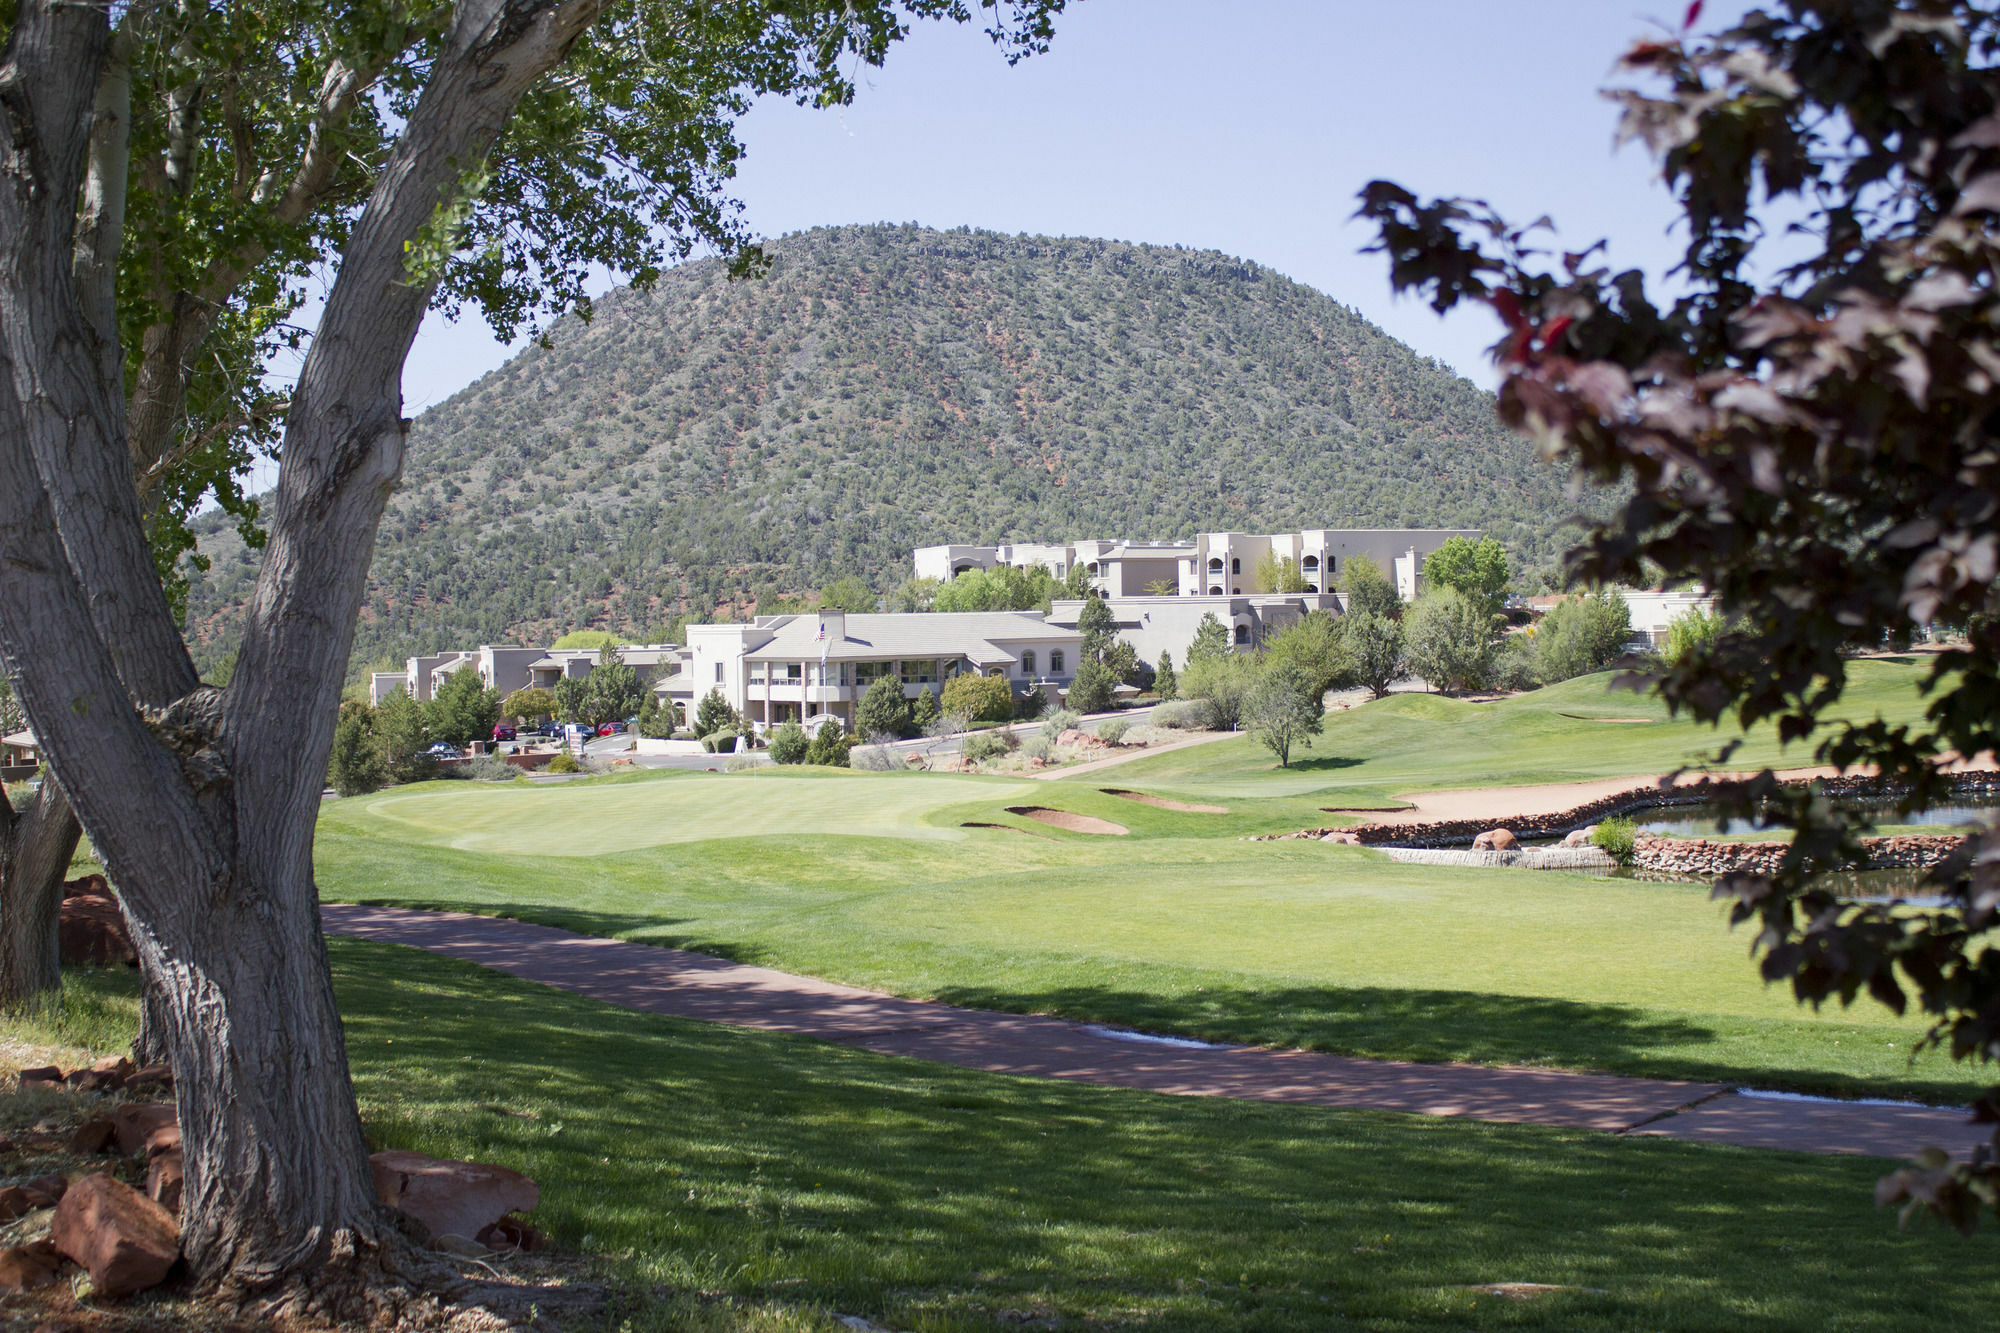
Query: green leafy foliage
point(850, 593)
point(356, 766)
point(789, 743)
point(1090, 690)
point(1448, 639)
point(529, 703)
point(1476, 569)
point(1582, 634)
point(1693, 631)
point(1314, 645)
point(1165, 682)
point(1365, 588)
point(1284, 707)
point(707, 438)
point(979, 698)
point(831, 747)
point(1375, 649)
point(1618, 837)
point(463, 710)
point(1211, 640)
point(586, 638)
point(1222, 683)
point(564, 762)
point(613, 690)
point(713, 714)
point(883, 710)
point(1277, 573)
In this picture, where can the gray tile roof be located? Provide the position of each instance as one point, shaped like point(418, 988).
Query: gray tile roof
point(967, 634)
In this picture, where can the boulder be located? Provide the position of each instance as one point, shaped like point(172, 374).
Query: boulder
point(163, 1179)
point(24, 1267)
point(92, 931)
point(1342, 836)
point(1580, 837)
point(1493, 840)
point(17, 1202)
point(88, 886)
point(42, 1076)
point(135, 1123)
point(451, 1198)
point(513, 1233)
point(93, 1135)
point(159, 1076)
point(123, 1239)
point(50, 1187)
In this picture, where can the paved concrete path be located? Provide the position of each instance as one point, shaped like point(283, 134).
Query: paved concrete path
point(690, 985)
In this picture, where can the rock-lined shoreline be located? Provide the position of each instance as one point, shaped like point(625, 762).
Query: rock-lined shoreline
point(1708, 858)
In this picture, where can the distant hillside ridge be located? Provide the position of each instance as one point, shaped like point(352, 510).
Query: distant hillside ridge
point(888, 387)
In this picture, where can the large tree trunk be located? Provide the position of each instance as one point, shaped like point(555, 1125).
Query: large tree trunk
point(35, 850)
point(202, 803)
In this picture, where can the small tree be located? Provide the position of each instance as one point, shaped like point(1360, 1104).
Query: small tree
point(1277, 573)
point(1315, 645)
point(572, 699)
point(1090, 691)
point(1033, 703)
point(1098, 627)
point(883, 711)
point(531, 702)
point(980, 698)
point(613, 690)
point(789, 743)
point(1375, 649)
point(714, 714)
point(1222, 682)
point(849, 593)
point(1582, 634)
point(924, 711)
point(914, 595)
point(831, 747)
point(356, 766)
point(1449, 639)
point(1476, 569)
point(404, 736)
point(587, 638)
point(463, 709)
point(1693, 630)
point(1165, 682)
point(656, 719)
point(1211, 639)
point(1365, 588)
point(1284, 707)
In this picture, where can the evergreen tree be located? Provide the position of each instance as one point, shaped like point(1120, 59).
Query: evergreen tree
point(788, 743)
point(1211, 639)
point(883, 710)
point(355, 767)
point(924, 711)
point(1165, 682)
point(613, 690)
point(714, 714)
point(1090, 690)
point(1098, 627)
point(463, 710)
point(830, 749)
point(570, 695)
point(1033, 703)
point(404, 736)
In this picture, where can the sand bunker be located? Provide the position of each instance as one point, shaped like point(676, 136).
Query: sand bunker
point(1579, 717)
point(1066, 819)
point(1163, 803)
point(1004, 828)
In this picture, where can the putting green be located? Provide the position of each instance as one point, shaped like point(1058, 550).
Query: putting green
point(596, 819)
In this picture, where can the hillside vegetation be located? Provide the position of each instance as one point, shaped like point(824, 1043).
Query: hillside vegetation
point(885, 387)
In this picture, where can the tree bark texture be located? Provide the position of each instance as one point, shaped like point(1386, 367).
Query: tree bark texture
point(202, 803)
point(35, 850)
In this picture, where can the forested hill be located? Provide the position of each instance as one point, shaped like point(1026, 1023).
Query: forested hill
point(886, 387)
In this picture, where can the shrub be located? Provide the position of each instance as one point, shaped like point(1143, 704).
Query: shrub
point(1582, 634)
point(1034, 703)
point(714, 714)
point(1222, 681)
point(1113, 731)
point(356, 767)
point(983, 745)
point(1619, 837)
point(981, 698)
point(737, 763)
point(1039, 746)
point(883, 710)
point(1186, 715)
point(719, 742)
point(831, 747)
point(1090, 691)
point(875, 757)
point(487, 768)
point(1058, 720)
point(1515, 665)
point(789, 744)
point(564, 762)
point(924, 711)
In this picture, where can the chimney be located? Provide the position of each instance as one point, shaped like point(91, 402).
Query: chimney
point(834, 623)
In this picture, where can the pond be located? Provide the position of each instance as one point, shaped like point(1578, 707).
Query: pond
point(1701, 821)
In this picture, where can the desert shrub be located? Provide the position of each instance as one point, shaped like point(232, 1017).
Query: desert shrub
point(488, 768)
point(564, 762)
point(1516, 664)
point(875, 757)
point(983, 745)
point(737, 763)
point(1039, 746)
point(789, 744)
point(981, 698)
point(1224, 682)
point(1185, 715)
point(1618, 837)
point(1113, 731)
point(1058, 720)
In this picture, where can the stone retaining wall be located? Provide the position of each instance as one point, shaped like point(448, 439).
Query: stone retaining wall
point(1461, 832)
point(1708, 858)
point(1523, 858)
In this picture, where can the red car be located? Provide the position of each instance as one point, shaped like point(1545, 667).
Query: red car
point(609, 729)
point(503, 732)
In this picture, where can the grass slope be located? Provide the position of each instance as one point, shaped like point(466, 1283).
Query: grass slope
point(1173, 928)
point(731, 1180)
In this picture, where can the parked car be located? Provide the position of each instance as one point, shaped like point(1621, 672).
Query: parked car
point(503, 732)
point(445, 750)
point(610, 729)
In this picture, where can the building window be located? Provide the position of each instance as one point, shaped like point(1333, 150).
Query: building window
point(921, 672)
point(1215, 592)
point(1215, 564)
point(1312, 587)
point(867, 672)
point(1332, 563)
point(1236, 592)
point(718, 673)
point(795, 671)
point(1242, 634)
point(1092, 567)
point(1028, 662)
point(1310, 562)
point(1055, 662)
point(1235, 565)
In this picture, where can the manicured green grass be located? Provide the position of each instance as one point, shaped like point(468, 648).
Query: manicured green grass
point(735, 1180)
point(1177, 927)
point(1565, 733)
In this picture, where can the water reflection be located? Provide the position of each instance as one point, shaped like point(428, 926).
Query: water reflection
point(1707, 820)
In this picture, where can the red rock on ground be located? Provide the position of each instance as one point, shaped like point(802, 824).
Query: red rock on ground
point(126, 1241)
point(1494, 840)
point(50, 1187)
point(93, 1135)
point(46, 1076)
point(451, 1198)
point(163, 1179)
point(17, 1202)
point(147, 1076)
point(136, 1123)
point(23, 1267)
point(87, 886)
point(92, 932)
point(513, 1232)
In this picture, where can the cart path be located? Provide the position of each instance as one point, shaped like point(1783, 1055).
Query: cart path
point(650, 979)
point(1137, 752)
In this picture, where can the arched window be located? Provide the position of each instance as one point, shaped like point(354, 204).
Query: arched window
point(1215, 564)
point(1242, 634)
point(1215, 592)
point(1028, 662)
point(1312, 587)
point(1092, 567)
point(1055, 661)
point(1310, 562)
point(1235, 565)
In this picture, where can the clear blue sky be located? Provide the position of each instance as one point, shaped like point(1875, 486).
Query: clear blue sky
point(1245, 126)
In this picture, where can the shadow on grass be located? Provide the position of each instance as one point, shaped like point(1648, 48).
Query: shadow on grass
point(1423, 1025)
point(760, 1166)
